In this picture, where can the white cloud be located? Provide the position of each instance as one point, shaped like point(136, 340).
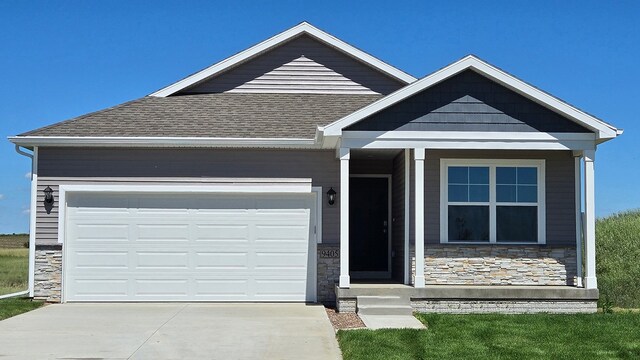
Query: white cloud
point(28, 175)
point(26, 211)
point(1, 196)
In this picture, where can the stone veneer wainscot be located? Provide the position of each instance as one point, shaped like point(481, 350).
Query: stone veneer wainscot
point(462, 264)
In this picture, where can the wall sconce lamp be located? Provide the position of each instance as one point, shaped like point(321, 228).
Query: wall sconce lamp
point(331, 196)
point(48, 195)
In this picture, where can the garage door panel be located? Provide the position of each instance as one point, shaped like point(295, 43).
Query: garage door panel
point(169, 260)
point(221, 260)
point(100, 259)
point(221, 233)
point(200, 248)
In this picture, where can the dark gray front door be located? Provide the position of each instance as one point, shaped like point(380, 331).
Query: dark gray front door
point(369, 227)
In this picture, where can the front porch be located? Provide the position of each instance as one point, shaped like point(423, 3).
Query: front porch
point(476, 298)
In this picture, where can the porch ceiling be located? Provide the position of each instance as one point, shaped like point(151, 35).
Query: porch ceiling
point(374, 154)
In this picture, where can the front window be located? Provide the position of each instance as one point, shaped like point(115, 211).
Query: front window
point(497, 201)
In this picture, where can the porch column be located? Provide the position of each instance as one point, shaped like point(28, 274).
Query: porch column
point(419, 216)
point(589, 220)
point(578, 208)
point(345, 280)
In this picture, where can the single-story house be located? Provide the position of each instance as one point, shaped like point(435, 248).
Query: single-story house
point(304, 169)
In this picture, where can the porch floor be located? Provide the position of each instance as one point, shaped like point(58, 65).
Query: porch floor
point(468, 292)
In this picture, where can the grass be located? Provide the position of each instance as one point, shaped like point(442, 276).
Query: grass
point(617, 254)
point(16, 306)
point(539, 336)
point(14, 268)
point(14, 240)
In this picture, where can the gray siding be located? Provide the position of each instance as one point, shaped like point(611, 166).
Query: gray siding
point(560, 198)
point(467, 102)
point(302, 65)
point(145, 166)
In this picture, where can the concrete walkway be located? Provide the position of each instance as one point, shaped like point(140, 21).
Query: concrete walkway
point(375, 322)
point(170, 331)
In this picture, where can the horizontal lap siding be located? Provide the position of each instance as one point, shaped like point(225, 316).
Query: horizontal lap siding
point(302, 65)
point(467, 102)
point(560, 196)
point(186, 166)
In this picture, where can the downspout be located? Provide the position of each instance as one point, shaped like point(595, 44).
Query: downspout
point(32, 219)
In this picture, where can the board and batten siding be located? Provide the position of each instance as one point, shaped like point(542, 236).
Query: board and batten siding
point(302, 65)
point(559, 185)
point(58, 166)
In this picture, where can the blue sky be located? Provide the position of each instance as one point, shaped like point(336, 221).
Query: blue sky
point(66, 58)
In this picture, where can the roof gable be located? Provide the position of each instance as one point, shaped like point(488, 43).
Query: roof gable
point(602, 130)
point(301, 65)
point(467, 101)
point(279, 40)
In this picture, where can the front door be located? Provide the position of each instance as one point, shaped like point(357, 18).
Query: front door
point(369, 228)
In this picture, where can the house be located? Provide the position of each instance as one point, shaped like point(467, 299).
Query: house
point(304, 169)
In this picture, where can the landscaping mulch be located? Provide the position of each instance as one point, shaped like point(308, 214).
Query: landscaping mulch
point(342, 321)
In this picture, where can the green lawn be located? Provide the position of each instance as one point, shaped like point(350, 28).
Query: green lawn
point(14, 268)
point(540, 336)
point(16, 306)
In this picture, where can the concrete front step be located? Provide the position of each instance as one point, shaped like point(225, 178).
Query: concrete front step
point(384, 305)
point(382, 300)
point(385, 310)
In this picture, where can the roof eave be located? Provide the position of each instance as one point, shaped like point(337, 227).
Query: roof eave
point(74, 141)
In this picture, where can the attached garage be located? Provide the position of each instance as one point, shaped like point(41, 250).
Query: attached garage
point(185, 246)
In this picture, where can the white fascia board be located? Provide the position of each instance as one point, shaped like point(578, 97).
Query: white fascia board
point(161, 142)
point(302, 28)
point(468, 140)
point(602, 129)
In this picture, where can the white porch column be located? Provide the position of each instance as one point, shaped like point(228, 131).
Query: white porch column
point(419, 216)
point(578, 209)
point(345, 280)
point(589, 220)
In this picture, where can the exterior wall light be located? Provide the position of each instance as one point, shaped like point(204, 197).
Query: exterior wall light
point(48, 195)
point(331, 196)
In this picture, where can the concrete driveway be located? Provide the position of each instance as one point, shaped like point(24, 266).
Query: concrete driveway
point(170, 331)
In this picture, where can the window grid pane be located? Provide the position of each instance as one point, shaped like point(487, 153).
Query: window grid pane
point(516, 189)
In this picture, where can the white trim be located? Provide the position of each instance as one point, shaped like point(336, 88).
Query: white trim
point(492, 203)
point(345, 279)
point(602, 129)
point(468, 140)
point(379, 274)
point(319, 203)
point(578, 211)
point(419, 156)
point(407, 215)
point(161, 141)
point(279, 39)
point(33, 212)
point(20, 293)
point(590, 280)
point(303, 188)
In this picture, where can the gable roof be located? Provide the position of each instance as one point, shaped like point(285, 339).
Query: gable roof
point(303, 28)
point(602, 130)
point(212, 116)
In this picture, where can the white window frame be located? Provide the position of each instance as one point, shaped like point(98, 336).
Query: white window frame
point(492, 164)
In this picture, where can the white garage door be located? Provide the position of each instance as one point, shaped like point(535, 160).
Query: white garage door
point(186, 247)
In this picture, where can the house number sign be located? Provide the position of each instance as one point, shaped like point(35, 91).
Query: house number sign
point(330, 253)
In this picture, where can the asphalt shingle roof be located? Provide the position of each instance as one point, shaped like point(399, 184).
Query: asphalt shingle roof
point(226, 115)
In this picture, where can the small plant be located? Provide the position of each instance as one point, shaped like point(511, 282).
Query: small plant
point(607, 304)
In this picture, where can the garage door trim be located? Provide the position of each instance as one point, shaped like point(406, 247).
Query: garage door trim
point(241, 186)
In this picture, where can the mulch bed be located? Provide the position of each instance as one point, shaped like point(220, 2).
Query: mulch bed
point(342, 321)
